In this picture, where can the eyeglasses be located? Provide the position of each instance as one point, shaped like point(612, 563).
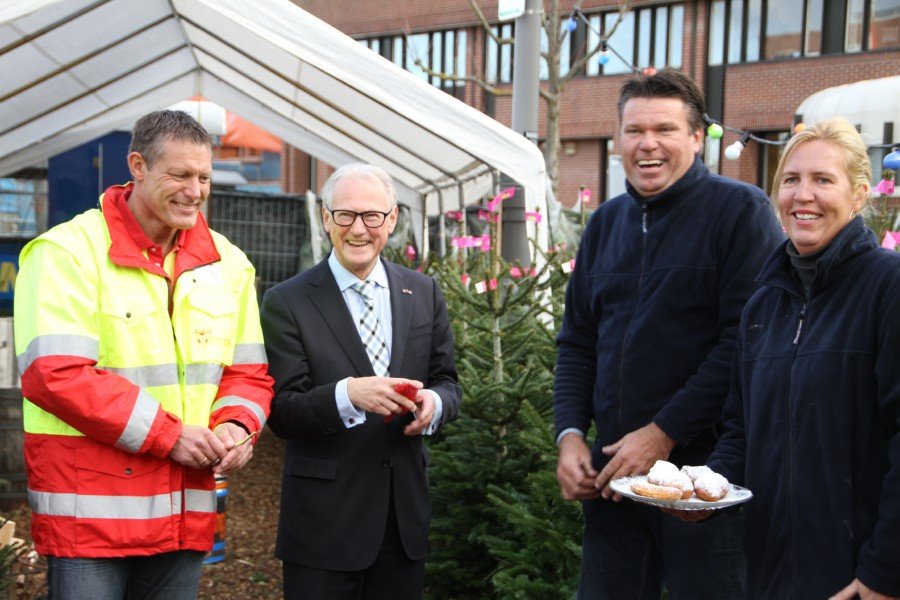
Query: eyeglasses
point(370, 218)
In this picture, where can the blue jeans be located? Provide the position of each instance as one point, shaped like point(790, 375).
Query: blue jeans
point(629, 551)
point(169, 576)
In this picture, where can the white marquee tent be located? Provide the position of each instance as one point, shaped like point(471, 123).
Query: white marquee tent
point(73, 70)
point(869, 104)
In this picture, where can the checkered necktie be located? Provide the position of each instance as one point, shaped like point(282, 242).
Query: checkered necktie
point(370, 330)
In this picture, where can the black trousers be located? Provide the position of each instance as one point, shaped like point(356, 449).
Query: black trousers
point(393, 575)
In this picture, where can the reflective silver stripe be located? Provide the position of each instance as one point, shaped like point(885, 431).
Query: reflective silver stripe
point(238, 401)
point(250, 354)
point(84, 506)
point(200, 500)
point(58, 345)
point(139, 423)
point(198, 374)
point(149, 376)
point(47, 503)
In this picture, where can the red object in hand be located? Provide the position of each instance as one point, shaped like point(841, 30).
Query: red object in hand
point(408, 390)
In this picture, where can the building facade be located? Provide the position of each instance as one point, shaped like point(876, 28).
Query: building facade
point(757, 60)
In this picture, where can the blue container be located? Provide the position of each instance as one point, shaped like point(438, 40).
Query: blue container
point(218, 550)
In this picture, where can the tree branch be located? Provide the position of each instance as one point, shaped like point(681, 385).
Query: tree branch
point(467, 78)
point(487, 26)
point(579, 64)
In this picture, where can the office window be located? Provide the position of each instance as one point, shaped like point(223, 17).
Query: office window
point(498, 60)
point(622, 41)
point(812, 45)
point(418, 49)
point(651, 36)
point(854, 32)
point(398, 56)
point(645, 32)
point(716, 33)
point(438, 51)
point(784, 27)
point(884, 24)
point(752, 30)
point(676, 35)
point(660, 41)
point(736, 24)
point(565, 53)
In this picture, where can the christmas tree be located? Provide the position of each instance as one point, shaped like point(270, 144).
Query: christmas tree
point(499, 526)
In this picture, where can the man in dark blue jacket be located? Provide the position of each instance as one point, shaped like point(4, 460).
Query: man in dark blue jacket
point(646, 343)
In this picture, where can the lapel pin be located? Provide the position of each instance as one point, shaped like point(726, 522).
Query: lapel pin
point(406, 291)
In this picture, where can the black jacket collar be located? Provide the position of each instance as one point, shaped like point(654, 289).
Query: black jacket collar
point(694, 175)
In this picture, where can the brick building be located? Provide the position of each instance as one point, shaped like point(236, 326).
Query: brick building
point(757, 60)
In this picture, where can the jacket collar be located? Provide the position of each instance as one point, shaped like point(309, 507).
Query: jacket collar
point(196, 244)
point(694, 175)
point(851, 241)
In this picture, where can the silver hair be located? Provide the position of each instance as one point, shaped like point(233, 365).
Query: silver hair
point(359, 171)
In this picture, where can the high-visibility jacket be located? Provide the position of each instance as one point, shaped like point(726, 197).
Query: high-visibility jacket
point(112, 367)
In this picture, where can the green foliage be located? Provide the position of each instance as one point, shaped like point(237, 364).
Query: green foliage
point(882, 217)
point(499, 527)
point(9, 554)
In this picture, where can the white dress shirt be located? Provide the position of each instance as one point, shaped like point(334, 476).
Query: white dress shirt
point(350, 415)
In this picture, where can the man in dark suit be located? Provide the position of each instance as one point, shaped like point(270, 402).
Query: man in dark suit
point(340, 337)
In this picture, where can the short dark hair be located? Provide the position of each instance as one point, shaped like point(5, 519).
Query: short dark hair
point(153, 129)
point(667, 83)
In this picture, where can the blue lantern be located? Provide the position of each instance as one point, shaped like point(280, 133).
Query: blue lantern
point(892, 160)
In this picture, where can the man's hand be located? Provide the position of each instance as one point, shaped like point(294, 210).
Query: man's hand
point(634, 454)
point(859, 589)
point(377, 395)
point(424, 414)
point(574, 471)
point(239, 454)
point(197, 447)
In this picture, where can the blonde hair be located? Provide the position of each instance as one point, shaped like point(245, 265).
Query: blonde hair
point(842, 134)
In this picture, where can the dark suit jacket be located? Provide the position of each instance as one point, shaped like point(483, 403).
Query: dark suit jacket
point(336, 481)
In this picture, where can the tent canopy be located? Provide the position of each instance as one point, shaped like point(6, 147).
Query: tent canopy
point(73, 70)
point(869, 104)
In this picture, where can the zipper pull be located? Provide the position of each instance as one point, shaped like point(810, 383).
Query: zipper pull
point(800, 324)
point(644, 220)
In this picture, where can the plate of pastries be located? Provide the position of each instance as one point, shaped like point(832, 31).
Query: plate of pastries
point(687, 488)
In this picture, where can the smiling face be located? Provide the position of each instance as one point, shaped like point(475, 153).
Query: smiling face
point(168, 195)
point(658, 146)
point(815, 196)
point(356, 246)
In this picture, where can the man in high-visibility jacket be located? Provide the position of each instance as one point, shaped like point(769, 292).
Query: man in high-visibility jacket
point(143, 369)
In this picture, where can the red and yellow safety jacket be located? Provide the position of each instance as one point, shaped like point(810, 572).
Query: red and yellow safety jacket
point(112, 366)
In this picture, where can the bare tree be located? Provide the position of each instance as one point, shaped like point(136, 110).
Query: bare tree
point(551, 90)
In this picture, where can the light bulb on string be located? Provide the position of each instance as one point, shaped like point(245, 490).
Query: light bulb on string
point(892, 160)
point(604, 57)
point(570, 24)
point(714, 131)
point(733, 152)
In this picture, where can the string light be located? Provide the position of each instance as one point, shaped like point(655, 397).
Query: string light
point(570, 24)
point(604, 56)
point(892, 160)
point(733, 152)
point(714, 131)
point(606, 51)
